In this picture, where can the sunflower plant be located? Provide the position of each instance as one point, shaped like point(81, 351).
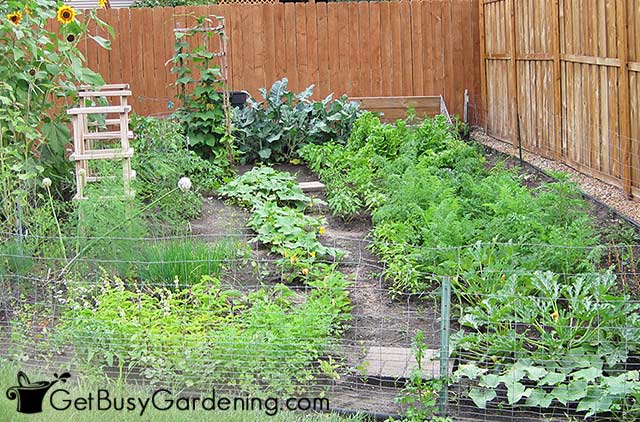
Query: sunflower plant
point(39, 70)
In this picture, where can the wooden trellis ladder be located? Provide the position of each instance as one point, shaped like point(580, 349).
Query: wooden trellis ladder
point(220, 55)
point(92, 142)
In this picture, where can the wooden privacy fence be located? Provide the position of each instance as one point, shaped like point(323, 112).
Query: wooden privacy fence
point(358, 48)
point(569, 72)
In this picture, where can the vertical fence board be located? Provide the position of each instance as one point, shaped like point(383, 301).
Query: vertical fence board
point(417, 58)
point(323, 49)
point(300, 35)
point(313, 74)
point(333, 61)
point(353, 49)
point(385, 40)
point(405, 49)
point(364, 69)
point(378, 73)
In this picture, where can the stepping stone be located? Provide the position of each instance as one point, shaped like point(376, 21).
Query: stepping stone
point(311, 186)
point(399, 362)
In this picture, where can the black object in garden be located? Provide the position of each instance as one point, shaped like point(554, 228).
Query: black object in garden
point(238, 98)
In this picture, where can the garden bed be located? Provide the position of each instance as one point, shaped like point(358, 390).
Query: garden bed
point(378, 318)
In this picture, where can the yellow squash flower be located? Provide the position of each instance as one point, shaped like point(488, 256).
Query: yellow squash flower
point(15, 18)
point(102, 3)
point(293, 259)
point(555, 315)
point(322, 230)
point(305, 271)
point(313, 254)
point(66, 14)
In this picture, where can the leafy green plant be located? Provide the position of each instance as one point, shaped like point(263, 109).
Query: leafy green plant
point(204, 113)
point(278, 207)
point(162, 157)
point(273, 130)
point(264, 184)
point(288, 229)
point(574, 341)
point(107, 226)
point(184, 336)
point(429, 194)
point(420, 394)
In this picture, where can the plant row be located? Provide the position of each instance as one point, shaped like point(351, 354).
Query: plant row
point(538, 320)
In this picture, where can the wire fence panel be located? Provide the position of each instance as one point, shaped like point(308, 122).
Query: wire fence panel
point(492, 343)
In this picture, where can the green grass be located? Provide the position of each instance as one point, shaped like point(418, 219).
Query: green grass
point(8, 408)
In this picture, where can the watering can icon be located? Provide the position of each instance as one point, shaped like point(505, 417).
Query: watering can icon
point(31, 394)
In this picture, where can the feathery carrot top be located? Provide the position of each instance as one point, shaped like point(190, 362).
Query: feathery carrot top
point(15, 17)
point(66, 14)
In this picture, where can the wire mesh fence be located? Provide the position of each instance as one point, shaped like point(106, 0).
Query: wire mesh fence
point(201, 312)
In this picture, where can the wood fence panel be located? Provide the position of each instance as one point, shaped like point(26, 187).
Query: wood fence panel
point(498, 70)
point(359, 49)
point(535, 74)
point(576, 76)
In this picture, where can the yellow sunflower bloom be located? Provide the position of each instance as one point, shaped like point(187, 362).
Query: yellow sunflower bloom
point(15, 18)
point(66, 14)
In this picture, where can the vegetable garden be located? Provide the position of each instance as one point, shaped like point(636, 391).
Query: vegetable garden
point(426, 277)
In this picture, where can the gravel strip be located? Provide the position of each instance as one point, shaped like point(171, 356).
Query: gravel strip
point(610, 195)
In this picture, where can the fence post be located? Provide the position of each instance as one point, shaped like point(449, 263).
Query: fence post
point(483, 69)
point(624, 101)
point(557, 83)
point(513, 82)
point(466, 106)
point(445, 326)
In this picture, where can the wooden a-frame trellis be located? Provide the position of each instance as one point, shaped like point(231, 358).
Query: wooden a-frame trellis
point(91, 142)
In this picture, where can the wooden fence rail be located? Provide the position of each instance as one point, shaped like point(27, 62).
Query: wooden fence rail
point(567, 72)
point(358, 48)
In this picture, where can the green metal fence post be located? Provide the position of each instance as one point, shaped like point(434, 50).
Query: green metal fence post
point(445, 328)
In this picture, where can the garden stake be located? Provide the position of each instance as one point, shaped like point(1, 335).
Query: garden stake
point(445, 315)
point(519, 139)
